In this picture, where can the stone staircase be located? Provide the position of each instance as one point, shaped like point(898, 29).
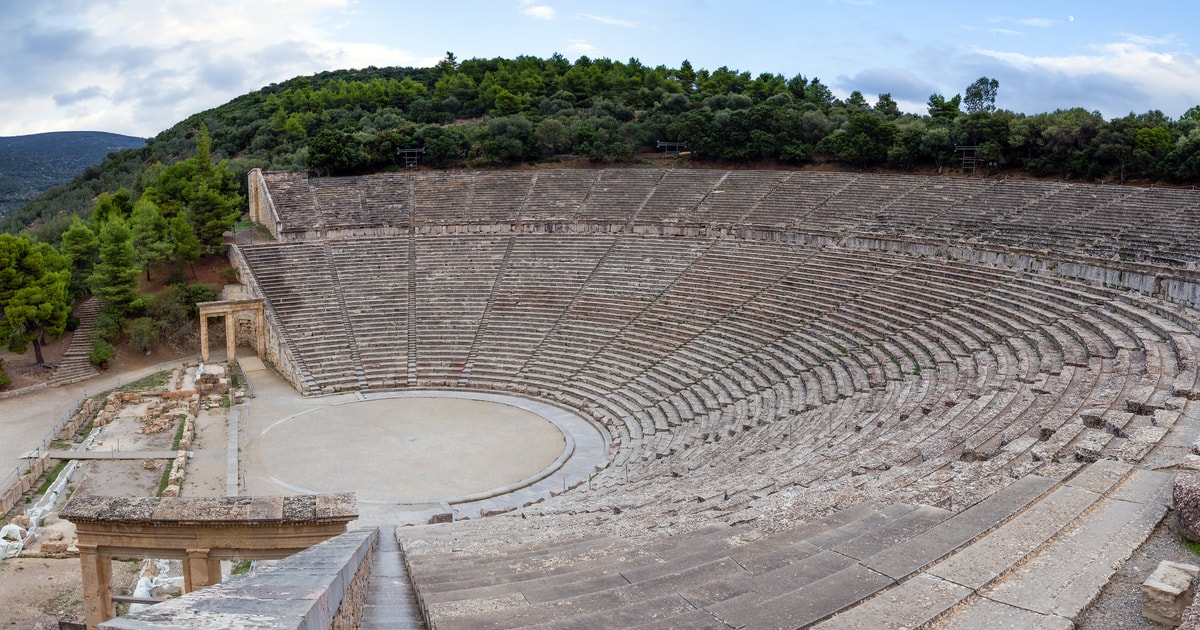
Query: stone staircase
point(390, 604)
point(1032, 555)
point(75, 365)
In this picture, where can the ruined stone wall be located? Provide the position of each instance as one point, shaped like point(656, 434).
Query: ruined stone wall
point(245, 323)
point(262, 207)
point(12, 493)
point(332, 576)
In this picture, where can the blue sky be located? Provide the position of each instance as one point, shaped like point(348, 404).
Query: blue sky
point(138, 66)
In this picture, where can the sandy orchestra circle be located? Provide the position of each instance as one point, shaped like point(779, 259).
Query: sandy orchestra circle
point(408, 449)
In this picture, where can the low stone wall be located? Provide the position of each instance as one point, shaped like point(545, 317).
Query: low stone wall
point(17, 485)
point(324, 586)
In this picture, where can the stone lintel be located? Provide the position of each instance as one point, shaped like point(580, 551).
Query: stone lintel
point(222, 307)
point(213, 511)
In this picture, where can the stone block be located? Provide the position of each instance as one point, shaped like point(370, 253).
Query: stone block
point(54, 547)
point(1168, 591)
point(1088, 451)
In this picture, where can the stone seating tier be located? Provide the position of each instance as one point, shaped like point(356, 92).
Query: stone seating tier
point(756, 383)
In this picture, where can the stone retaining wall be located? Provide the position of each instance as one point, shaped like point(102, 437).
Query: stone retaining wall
point(324, 586)
point(276, 351)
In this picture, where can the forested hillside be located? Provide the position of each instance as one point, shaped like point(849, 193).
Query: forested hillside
point(496, 112)
point(30, 165)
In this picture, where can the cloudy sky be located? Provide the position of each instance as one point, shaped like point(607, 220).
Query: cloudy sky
point(138, 66)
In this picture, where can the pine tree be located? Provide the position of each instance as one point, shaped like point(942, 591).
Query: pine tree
point(81, 247)
point(114, 278)
point(151, 235)
point(187, 247)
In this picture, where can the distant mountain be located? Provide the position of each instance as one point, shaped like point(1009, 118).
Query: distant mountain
point(30, 165)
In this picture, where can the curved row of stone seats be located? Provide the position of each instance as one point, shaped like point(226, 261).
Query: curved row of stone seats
point(557, 195)
point(1150, 225)
point(1030, 554)
point(762, 384)
point(672, 343)
point(306, 304)
point(375, 286)
point(292, 197)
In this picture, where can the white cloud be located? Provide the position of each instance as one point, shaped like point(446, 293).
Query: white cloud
point(1130, 70)
point(580, 47)
point(610, 21)
point(1038, 22)
point(138, 66)
point(1147, 40)
point(539, 11)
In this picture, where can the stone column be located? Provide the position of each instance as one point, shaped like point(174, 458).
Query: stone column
point(199, 571)
point(204, 338)
point(230, 338)
point(97, 586)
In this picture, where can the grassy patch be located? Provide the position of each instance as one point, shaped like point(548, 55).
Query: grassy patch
point(154, 381)
point(241, 567)
point(1193, 547)
point(49, 478)
point(182, 420)
point(165, 479)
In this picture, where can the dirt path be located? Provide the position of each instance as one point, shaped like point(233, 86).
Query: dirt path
point(37, 592)
point(206, 470)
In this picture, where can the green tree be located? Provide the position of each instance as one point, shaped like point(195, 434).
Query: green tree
point(333, 152)
point(187, 247)
point(212, 215)
point(82, 248)
point(33, 293)
point(887, 107)
point(114, 278)
point(865, 139)
point(109, 206)
point(942, 110)
point(551, 137)
point(980, 96)
point(151, 235)
point(143, 333)
point(508, 138)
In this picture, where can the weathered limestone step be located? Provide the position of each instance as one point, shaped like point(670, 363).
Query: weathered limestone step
point(699, 586)
point(935, 543)
point(804, 605)
point(985, 613)
point(391, 603)
point(1064, 578)
point(991, 556)
point(890, 533)
point(908, 605)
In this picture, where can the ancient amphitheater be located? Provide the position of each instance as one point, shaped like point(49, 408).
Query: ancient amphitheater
point(849, 400)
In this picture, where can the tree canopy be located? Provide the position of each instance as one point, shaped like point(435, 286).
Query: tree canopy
point(33, 293)
point(498, 111)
